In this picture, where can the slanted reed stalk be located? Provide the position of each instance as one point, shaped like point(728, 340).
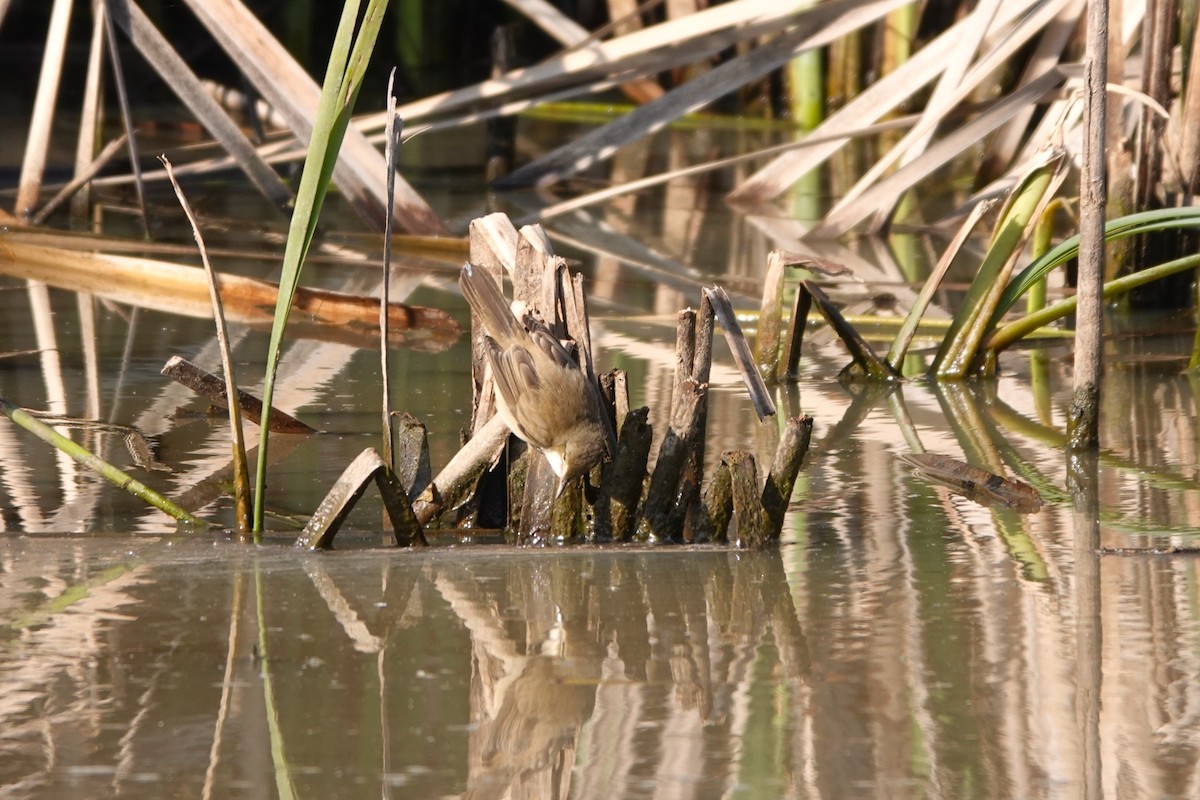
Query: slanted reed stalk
point(958, 352)
point(89, 117)
point(118, 75)
point(95, 463)
point(241, 475)
point(38, 141)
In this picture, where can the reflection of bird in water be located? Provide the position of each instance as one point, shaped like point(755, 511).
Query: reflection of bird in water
point(529, 748)
point(543, 396)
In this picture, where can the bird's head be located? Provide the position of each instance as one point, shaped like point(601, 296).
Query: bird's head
point(581, 449)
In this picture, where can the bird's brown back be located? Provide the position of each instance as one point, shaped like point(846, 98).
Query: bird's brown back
point(545, 397)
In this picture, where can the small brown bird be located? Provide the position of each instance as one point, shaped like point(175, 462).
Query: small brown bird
point(543, 396)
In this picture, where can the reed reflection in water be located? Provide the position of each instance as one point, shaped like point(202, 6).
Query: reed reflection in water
point(905, 642)
point(830, 668)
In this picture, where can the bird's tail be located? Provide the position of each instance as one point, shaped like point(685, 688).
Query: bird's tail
point(481, 291)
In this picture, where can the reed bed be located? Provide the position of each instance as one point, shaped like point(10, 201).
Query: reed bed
point(1013, 86)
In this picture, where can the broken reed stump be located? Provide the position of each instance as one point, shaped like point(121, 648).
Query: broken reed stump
point(622, 500)
point(212, 386)
point(671, 491)
point(412, 456)
point(622, 479)
point(673, 509)
point(323, 525)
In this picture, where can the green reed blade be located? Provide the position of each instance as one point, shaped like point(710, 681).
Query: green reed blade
point(1024, 206)
point(343, 79)
point(1018, 329)
point(1119, 228)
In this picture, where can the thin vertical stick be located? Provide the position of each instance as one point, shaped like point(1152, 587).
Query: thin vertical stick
point(38, 142)
point(85, 149)
point(89, 116)
point(1083, 420)
point(241, 472)
point(395, 127)
point(114, 58)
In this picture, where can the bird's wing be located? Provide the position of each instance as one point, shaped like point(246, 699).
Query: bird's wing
point(548, 343)
point(485, 297)
point(522, 394)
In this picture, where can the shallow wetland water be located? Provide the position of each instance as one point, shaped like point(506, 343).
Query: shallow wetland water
point(903, 641)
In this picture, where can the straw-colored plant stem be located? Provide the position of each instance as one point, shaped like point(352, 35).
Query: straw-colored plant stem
point(38, 140)
point(343, 79)
point(127, 123)
point(395, 127)
point(1083, 418)
point(241, 473)
point(89, 118)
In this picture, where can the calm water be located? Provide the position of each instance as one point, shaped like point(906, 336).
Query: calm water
point(904, 641)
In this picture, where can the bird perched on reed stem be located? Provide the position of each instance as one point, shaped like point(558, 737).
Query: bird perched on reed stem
point(542, 395)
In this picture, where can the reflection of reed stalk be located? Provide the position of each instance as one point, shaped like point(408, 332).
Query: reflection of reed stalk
point(214, 754)
point(283, 775)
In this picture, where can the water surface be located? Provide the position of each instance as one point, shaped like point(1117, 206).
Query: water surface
point(903, 641)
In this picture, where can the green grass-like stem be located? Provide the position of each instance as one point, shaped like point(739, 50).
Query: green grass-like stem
point(95, 463)
point(343, 79)
point(972, 322)
point(1018, 329)
point(1119, 228)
